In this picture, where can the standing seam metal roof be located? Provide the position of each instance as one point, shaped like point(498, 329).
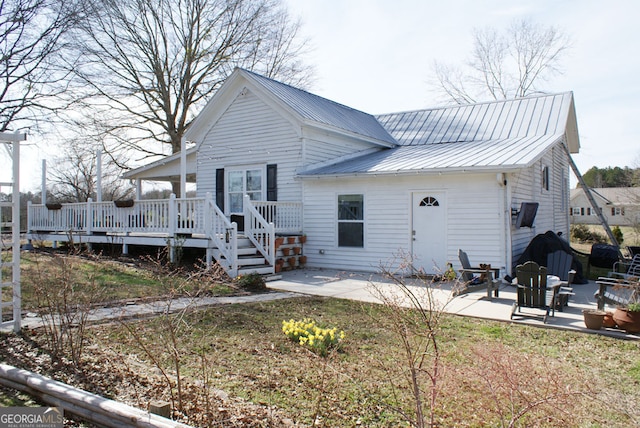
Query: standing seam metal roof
point(321, 110)
point(494, 135)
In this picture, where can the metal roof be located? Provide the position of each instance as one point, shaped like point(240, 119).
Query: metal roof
point(323, 111)
point(541, 115)
point(501, 154)
point(498, 135)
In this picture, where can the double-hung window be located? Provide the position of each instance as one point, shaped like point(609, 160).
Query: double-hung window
point(351, 221)
point(240, 182)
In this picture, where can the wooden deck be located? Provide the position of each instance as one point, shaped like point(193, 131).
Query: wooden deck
point(174, 222)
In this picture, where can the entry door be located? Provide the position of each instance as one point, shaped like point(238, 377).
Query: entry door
point(429, 231)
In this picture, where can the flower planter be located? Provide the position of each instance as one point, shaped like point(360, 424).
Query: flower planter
point(279, 241)
point(593, 318)
point(124, 203)
point(627, 320)
point(292, 261)
point(302, 239)
point(297, 250)
point(291, 239)
point(53, 206)
point(286, 251)
point(608, 321)
point(302, 260)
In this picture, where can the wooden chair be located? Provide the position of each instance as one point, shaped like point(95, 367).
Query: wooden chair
point(559, 264)
point(488, 278)
point(532, 290)
point(616, 291)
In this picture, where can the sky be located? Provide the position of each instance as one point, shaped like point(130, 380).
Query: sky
point(377, 56)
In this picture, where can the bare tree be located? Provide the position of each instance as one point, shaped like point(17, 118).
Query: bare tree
point(509, 64)
point(74, 172)
point(148, 66)
point(30, 40)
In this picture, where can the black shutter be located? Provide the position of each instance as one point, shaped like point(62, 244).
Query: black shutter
point(220, 188)
point(272, 182)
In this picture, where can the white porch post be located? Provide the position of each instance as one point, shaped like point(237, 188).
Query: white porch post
point(138, 189)
point(183, 168)
point(99, 176)
point(44, 182)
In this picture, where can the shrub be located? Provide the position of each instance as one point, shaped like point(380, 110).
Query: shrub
point(308, 334)
point(617, 233)
point(582, 233)
point(251, 281)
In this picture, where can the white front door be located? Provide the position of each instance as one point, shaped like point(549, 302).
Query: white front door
point(429, 231)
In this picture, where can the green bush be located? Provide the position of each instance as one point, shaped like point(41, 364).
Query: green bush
point(582, 233)
point(617, 233)
point(251, 281)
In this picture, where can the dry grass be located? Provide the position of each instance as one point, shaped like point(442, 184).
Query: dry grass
point(492, 370)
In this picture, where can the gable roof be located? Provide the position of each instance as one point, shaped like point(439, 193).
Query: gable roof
point(309, 109)
point(315, 109)
point(618, 196)
point(500, 135)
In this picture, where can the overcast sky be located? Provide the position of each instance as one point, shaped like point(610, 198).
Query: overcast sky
point(377, 56)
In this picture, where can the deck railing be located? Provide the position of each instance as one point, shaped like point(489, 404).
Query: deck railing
point(171, 217)
point(259, 231)
point(285, 216)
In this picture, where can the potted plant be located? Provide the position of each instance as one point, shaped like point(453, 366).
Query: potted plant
point(302, 239)
point(291, 239)
point(302, 260)
point(593, 318)
point(286, 251)
point(628, 318)
point(123, 203)
point(297, 250)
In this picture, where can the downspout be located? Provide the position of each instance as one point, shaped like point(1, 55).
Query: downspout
point(508, 245)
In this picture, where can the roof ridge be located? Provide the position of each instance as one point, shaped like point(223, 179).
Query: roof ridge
point(451, 106)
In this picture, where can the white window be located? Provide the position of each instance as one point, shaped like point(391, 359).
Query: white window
point(245, 181)
point(545, 177)
point(351, 221)
point(617, 210)
point(575, 211)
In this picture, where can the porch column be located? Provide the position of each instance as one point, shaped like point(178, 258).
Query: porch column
point(99, 175)
point(43, 196)
point(183, 168)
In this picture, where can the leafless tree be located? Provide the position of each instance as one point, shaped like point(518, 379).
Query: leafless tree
point(31, 34)
point(74, 172)
point(149, 66)
point(509, 64)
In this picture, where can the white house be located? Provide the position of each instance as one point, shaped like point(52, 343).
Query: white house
point(620, 206)
point(369, 187)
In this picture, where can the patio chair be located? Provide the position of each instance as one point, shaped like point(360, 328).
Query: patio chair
point(616, 291)
point(533, 291)
point(626, 269)
point(487, 279)
point(559, 264)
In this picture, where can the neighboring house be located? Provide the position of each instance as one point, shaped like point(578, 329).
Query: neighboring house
point(372, 189)
point(620, 206)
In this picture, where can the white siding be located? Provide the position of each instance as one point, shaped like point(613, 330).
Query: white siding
point(474, 212)
point(250, 132)
point(526, 186)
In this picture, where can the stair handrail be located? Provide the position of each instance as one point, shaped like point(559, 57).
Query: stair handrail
point(259, 231)
point(224, 235)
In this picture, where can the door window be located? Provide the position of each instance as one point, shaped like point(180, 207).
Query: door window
point(244, 182)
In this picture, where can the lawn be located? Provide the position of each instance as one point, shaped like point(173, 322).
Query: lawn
point(490, 371)
point(237, 368)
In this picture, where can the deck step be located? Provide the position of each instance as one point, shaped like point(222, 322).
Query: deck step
point(259, 269)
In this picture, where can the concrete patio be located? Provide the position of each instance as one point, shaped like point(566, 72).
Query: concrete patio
point(360, 286)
